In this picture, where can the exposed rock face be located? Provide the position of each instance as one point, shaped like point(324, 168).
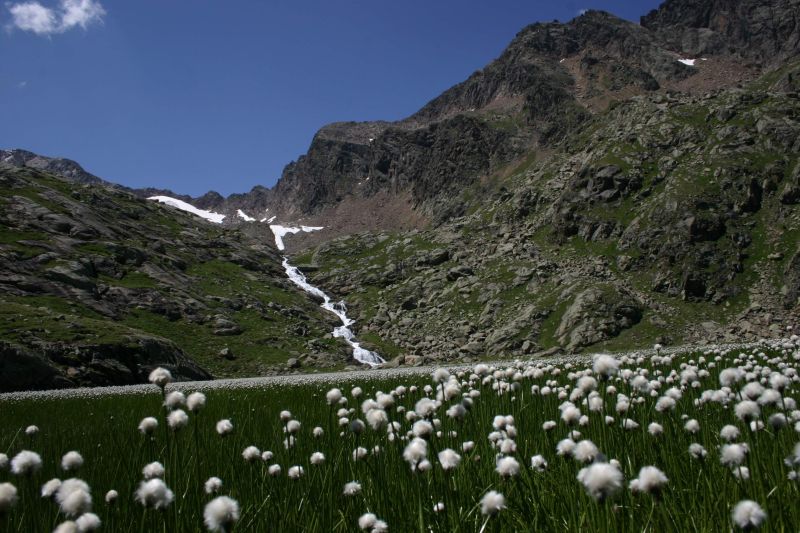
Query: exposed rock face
point(760, 30)
point(59, 166)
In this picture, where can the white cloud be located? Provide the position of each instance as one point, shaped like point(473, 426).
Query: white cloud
point(41, 20)
point(22, 84)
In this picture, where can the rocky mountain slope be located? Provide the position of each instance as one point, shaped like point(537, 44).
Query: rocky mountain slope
point(547, 83)
point(98, 286)
point(668, 218)
point(601, 183)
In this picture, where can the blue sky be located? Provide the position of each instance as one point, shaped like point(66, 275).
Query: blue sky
point(198, 95)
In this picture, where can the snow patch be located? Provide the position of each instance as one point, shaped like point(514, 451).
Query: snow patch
point(281, 231)
point(183, 206)
point(244, 216)
point(689, 62)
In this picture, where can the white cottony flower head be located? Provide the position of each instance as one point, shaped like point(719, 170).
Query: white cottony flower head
point(356, 392)
point(449, 459)
point(317, 432)
point(565, 447)
point(352, 488)
point(507, 467)
point(317, 458)
point(154, 493)
point(3, 461)
point(177, 419)
point(26, 462)
point(174, 400)
point(67, 526)
point(285, 416)
point(49, 489)
point(267, 456)
point(71, 461)
point(296, 472)
point(153, 470)
point(31, 430)
point(160, 377)
point(422, 428)
point(492, 503)
point(692, 426)
point(650, 481)
point(748, 514)
point(697, 451)
point(732, 454)
point(367, 521)
point(148, 425)
point(729, 433)
point(111, 496)
point(196, 401)
point(605, 366)
point(221, 513)
point(212, 485)
point(359, 453)
point(438, 507)
point(585, 451)
point(293, 426)
point(538, 463)
point(601, 480)
point(377, 418)
point(747, 410)
point(425, 407)
point(8, 497)
point(274, 470)
point(441, 375)
point(415, 451)
point(224, 427)
point(655, 429)
point(333, 396)
point(74, 497)
point(251, 454)
point(88, 522)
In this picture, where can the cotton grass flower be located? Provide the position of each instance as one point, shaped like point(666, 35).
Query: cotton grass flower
point(196, 401)
point(317, 458)
point(601, 480)
point(492, 503)
point(655, 429)
point(212, 485)
point(8, 497)
point(153, 470)
point(274, 470)
point(221, 513)
point(174, 400)
point(377, 419)
point(415, 451)
point(538, 463)
point(26, 463)
point(333, 396)
point(507, 467)
point(74, 497)
point(32, 431)
point(367, 521)
point(67, 527)
point(251, 454)
point(3, 461)
point(177, 419)
point(585, 451)
point(88, 522)
point(565, 447)
point(111, 496)
point(697, 451)
point(148, 425)
point(161, 377)
point(692, 426)
point(352, 488)
point(154, 494)
point(650, 481)
point(605, 366)
point(224, 427)
point(296, 472)
point(732, 454)
point(729, 433)
point(293, 426)
point(71, 461)
point(49, 489)
point(747, 514)
point(747, 410)
point(449, 459)
point(317, 432)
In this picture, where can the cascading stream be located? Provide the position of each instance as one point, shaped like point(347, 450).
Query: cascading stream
point(339, 309)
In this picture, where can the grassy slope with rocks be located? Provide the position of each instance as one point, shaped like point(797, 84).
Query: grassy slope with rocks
point(98, 286)
point(668, 218)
